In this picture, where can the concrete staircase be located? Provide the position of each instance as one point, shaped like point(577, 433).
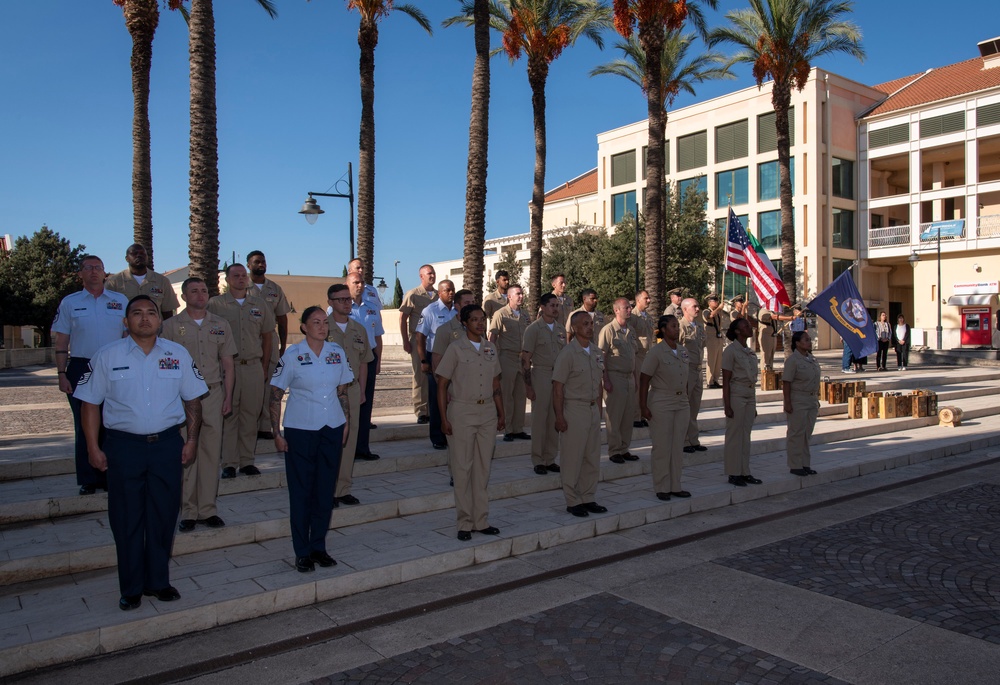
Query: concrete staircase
point(58, 584)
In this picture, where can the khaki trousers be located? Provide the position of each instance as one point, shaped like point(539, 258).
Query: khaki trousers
point(580, 452)
point(200, 488)
point(667, 429)
point(619, 408)
point(767, 344)
point(714, 347)
point(418, 389)
point(736, 452)
point(239, 429)
point(801, 422)
point(264, 423)
point(512, 391)
point(544, 437)
point(345, 477)
point(470, 452)
point(695, 389)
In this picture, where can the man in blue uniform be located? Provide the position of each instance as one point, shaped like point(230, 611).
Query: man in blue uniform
point(150, 387)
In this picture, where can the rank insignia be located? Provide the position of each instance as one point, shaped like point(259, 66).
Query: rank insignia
point(115, 305)
point(332, 358)
point(169, 364)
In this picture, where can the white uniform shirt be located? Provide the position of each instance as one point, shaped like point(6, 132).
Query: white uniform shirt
point(90, 322)
point(370, 295)
point(142, 394)
point(370, 317)
point(434, 315)
point(313, 380)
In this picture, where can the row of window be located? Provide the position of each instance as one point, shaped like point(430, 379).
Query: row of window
point(733, 285)
point(986, 115)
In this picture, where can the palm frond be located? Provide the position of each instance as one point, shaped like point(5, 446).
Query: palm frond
point(417, 14)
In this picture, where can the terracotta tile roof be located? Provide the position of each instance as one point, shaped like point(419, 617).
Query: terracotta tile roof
point(581, 185)
point(937, 84)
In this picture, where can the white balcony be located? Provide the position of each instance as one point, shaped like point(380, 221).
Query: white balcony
point(893, 241)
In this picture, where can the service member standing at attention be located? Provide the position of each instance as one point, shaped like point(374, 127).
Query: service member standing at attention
point(739, 401)
point(139, 279)
point(353, 339)
point(274, 297)
point(318, 375)
point(674, 308)
point(369, 316)
point(506, 331)
point(693, 339)
point(436, 314)
point(497, 298)
point(409, 316)
point(577, 390)
point(769, 332)
point(452, 330)
point(663, 389)
point(588, 298)
point(558, 283)
point(210, 342)
point(617, 343)
point(85, 322)
point(150, 388)
point(543, 341)
point(471, 416)
point(643, 325)
point(716, 324)
point(370, 297)
point(800, 387)
point(252, 323)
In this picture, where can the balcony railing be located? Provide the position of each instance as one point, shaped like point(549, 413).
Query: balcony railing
point(889, 236)
point(988, 226)
point(899, 236)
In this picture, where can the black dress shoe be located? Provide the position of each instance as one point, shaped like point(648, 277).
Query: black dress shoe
point(323, 559)
point(186, 525)
point(628, 456)
point(554, 468)
point(700, 448)
point(637, 424)
point(229, 472)
point(422, 419)
point(737, 481)
point(213, 522)
point(265, 435)
point(129, 603)
point(368, 456)
point(810, 471)
point(489, 530)
point(799, 472)
point(88, 489)
point(617, 458)
point(578, 510)
point(304, 564)
point(439, 445)
point(167, 594)
point(250, 470)
point(347, 499)
point(681, 493)
point(541, 470)
point(372, 426)
point(689, 449)
point(663, 495)
point(751, 480)
point(465, 535)
point(508, 437)
point(522, 436)
point(594, 508)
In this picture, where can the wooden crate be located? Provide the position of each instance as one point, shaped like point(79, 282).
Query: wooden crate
point(869, 407)
point(770, 380)
point(918, 406)
point(904, 406)
point(932, 404)
point(854, 410)
point(887, 407)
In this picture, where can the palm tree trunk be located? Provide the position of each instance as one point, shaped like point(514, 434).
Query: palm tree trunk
point(479, 136)
point(367, 40)
point(141, 19)
point(538, 73)
point(781, 98)
point(651, 38)
point(203, 242)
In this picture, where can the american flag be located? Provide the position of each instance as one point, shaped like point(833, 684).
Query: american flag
point(744, 260)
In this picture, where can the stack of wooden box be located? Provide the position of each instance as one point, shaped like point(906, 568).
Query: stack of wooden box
point(839, 392)
point(892, 405)
point(770, 380)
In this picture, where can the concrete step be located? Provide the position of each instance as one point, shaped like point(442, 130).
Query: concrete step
point(57, 621)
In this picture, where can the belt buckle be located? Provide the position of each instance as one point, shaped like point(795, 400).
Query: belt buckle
point(155, 437)
point(480, 401)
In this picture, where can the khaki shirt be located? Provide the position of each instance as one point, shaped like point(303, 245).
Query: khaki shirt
point(596, 315)
point(668, 374)
point(803, 373)
point(719, 325)
point(207, 344)
point(673, 310)
point(543, 344)
point(743, 363)
point(155, 285)
point(354, 340)
point(618, 343)
point(580, 373)
point(645, 332)
point(510, 329)
point(565, 309)
point(693, 339)
point(446, 334)
point(470, 371)
point(492, 302)
point(413, 305)
point(769, 322)
point(274, 296)
point(249, 321)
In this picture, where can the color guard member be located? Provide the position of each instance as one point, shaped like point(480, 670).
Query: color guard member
point(674, 308)
point(716, 324)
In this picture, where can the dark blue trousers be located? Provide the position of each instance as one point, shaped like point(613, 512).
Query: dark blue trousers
point(365, 417)
point(312, 463)
point(85, 473)
point(434, 427)
point(144, 498)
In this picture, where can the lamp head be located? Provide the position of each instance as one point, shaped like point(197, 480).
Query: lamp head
point(311, 210)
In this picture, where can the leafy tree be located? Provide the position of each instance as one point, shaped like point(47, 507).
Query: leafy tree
point(37, 274)
point(397, 295)
point(512, 265)
point(693, 249)
point(781, 39)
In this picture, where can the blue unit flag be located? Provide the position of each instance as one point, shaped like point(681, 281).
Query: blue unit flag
point(841, 306)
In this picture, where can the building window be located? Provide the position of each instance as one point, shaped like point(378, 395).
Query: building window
point(700, 183)
point(892, 135)
point(767, 134)
point(840, 266)
point(769, 229)
point(621, 205)
point(645, 149)
point(939, 125)
point(692, 151)
point(731, 184)
point(722, 223)
point(843, 228)
point(623, 168)
point(769, 179)
point(843, 178)
point(731, 141)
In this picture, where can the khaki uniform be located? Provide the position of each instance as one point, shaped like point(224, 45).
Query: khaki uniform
point(473, 416)
point(767, 336)
point(715, 342)
point(154, 285)
point(581, 374)
point(565, 309)
point(510, 327)
point(492, 302)
point(618, 344)
point(673, 310)
point(802, 373)
point(668, 403)
point(354, 340)
point(693, 339)
point(742, 362)
point(413, 305)
point(249, 322)
point(275, 298)
point(596, 315)
point(645, 332)
point(207, 344)
point(445, 335)
point(544, 345)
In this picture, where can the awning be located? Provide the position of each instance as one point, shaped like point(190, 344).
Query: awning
point(971, 300)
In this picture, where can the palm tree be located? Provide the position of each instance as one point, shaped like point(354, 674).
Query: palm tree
point(372, 12)
point(654, 19)
point(781, 39)
point(203, 241)
point(141, 19)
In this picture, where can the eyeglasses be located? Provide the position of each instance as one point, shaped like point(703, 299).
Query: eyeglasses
point(91, 267)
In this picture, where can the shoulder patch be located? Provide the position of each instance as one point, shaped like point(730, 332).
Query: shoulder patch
point(197, 373)
point(278, 369)
point(85, 378)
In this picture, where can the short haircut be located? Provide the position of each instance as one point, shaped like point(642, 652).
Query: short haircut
point(91, 257)
point(587, 291)
point(553, 279)
point(462, 293)
point(501, 272)
point(360, 263)
point(515, 285)
point(546, 298)
point(141, 298)
point(468, 310)
point(233, 266)
point(576, 317)
point(335, 288)
point(796, 337)
point(638, 293)
point(254, 253)
point(189, 281)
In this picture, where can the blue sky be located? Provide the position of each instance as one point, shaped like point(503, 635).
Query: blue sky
point(288, 101)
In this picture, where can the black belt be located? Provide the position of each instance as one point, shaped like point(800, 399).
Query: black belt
point(153, 437)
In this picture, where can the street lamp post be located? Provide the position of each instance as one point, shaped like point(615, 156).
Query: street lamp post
point(381, 288)
point(913, 259)
point(311, 209)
